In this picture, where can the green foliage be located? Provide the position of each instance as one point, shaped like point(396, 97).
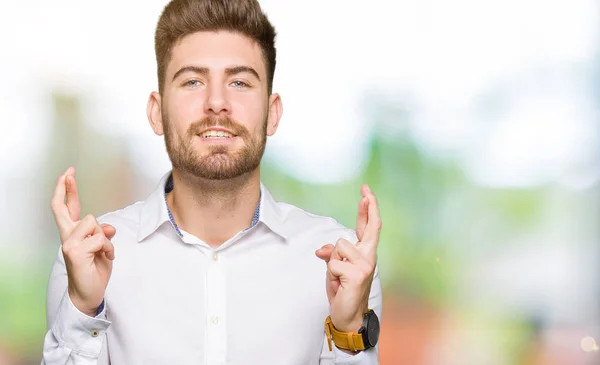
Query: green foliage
point(428, 206)
point(22, 307)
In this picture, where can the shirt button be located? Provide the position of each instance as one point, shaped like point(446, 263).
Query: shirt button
point(94, 332)
point(215, 256)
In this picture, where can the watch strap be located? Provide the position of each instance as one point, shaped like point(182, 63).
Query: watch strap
point(352, 341)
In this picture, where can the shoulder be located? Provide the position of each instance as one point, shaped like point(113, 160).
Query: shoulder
point(127, 216)
point(300, 222)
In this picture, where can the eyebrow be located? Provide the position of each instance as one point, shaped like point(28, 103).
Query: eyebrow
point(230, 71)
point(241, 69)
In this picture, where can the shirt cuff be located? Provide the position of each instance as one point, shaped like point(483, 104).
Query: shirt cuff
point(368, 356)
point(342, 357)
point(339, 354)
point(80, 333)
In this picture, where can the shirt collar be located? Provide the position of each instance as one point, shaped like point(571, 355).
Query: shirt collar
point(270, 213)
point(155, 211)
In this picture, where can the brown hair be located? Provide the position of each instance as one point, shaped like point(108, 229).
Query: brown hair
point(184, 17)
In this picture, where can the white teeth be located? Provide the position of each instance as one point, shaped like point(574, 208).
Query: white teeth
point(216, 134)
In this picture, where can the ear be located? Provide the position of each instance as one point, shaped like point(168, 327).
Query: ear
point(275, 111)
point(154, 113)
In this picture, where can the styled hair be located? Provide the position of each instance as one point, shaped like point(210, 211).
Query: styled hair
point(184, 17)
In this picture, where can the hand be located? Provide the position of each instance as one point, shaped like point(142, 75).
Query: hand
point(350, 268)
point(86, 246)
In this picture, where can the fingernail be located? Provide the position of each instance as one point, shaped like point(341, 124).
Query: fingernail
point(368, 188)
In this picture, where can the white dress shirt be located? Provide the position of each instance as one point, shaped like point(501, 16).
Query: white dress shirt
point(259, 298)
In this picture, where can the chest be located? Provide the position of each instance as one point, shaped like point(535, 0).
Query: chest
point(192, 305)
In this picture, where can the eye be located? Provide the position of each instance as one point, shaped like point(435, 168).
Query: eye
point(239, 84)
point(192, 83)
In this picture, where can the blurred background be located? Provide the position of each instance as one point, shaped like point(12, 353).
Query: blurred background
point(475, 122)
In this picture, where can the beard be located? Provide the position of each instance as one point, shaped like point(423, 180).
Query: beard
point(218, 163)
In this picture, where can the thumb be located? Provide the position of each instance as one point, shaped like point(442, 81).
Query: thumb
point(324, 253)
point(109, 231)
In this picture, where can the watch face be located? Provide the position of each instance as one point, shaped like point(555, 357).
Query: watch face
point(372, 330)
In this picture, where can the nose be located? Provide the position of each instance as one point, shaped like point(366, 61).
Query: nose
point(216, 101)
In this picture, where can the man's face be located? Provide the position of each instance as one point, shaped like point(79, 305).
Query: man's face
point(215, 105)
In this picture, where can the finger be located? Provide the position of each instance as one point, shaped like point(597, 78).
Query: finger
point(348, 251)
point(72, 197)
point(333, 284)
point(373, 227)
point(109, 249)
point(99, 243)
point(59, 209)
point(335, 255)
point(365, 189)
point(58, 198)
point(88, 226)
point(362, 217)
point(324, 253)
point(109, 231)
point(339, 268)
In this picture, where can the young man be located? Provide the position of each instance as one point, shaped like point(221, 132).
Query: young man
point(209, 269)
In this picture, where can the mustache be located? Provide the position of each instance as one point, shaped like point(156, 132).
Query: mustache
point(224, 122)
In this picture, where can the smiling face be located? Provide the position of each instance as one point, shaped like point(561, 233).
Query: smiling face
point(215, 110)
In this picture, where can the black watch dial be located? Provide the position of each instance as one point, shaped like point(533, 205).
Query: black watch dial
point(370, 329)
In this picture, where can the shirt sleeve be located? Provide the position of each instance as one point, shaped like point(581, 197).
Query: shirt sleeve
point(72, 337)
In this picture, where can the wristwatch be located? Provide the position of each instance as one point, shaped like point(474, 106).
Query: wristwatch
point(366, 337)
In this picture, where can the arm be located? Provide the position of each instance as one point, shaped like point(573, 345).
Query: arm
point(367, 357)
point(72, 337)
point(352, 279)
point(77, 283)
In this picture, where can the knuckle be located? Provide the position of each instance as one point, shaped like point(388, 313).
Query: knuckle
point(90, 219)
point(68, 251)
point(378, 224)
point(54, 205)
point(364, 277)
point(98, 239)
point(361, 275)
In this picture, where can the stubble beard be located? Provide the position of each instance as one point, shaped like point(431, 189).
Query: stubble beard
point(219, 162)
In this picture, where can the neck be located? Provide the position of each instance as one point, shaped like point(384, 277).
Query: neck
point(214, 210)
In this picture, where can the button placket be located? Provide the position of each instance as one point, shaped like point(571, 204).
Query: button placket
point(215, 311)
